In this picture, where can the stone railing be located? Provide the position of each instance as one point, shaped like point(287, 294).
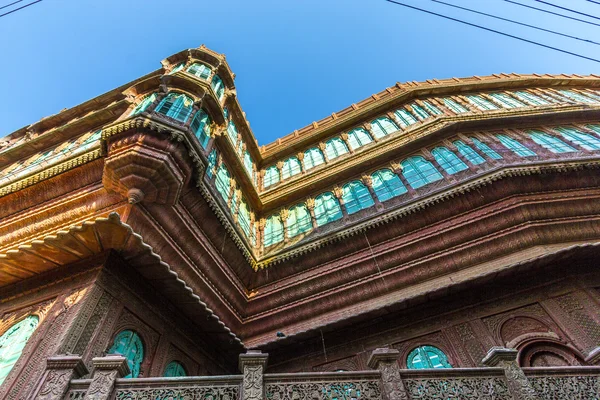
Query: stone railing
point(503, 380)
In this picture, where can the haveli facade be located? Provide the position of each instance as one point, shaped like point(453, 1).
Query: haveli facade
point(436, 240)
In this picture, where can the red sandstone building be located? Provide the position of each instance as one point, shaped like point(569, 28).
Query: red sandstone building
point(435, 240)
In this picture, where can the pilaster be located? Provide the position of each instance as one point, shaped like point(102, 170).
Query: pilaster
point(106, 371)
point(59, 372)
point(519, 385)
point(252, 364)
point(386, 361)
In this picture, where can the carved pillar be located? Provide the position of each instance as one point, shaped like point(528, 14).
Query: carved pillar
point(452, 147)
point(442, 106)
point(310, 204)
point(519, 385)
point(494, 101)
point(252, 364)
point(397, 168)
point(236, 206)
point(415, 114)
point(59, 371)
point(261, 179)
point(368, 181)
point(322, 147)
point(386, 361)
point(232, 185)
point(300, 157)
point(367, 128)
point(338, 192)
point(279, 166)
point(261, 234)
point(466, 104)
point(106, 371)
point(344, 137)
point(284, 213)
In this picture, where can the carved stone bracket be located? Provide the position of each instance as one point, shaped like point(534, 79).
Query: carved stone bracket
point(386, 361)
point(106, 371)
point(518, 383)
point(59, 372)
point(253, 364)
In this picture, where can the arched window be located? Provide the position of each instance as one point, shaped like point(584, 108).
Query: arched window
point(233, 205)
point(232, 133)
point(448, 160)
point(455, 106)
point(244, 218)
point(271, 176)
point(200, 70)
point(128, 344)
point(425, 357)
point(273, 231)
point(405, 117)
point(223, 181)
point(419, 111)
point(419, 172)
point(469, 153)
point(201, 127)
point(481, 103)
point(313, 157)
point(327, 209)
point(386, 184)
point(173, 369)
point(212, 161)
point(531, 98)
point(506, 101)
point(584, 140)
point(383, 126)
point(551, 143)
point(335, 147)
point(486, 149)
point(12, 343)
point(291, 167)
point(218, 86)
point(177, 106)
point(358, 137)
point(515, 146)
point(576, 96)
point(298, 220)
point(432, 109)
point(356, 197)
point(248, 163)
point(179, 67)
point(144, 104)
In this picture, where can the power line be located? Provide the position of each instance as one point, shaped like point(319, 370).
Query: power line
point(20, 8)
point(551, 12)
point(592, 1)
point(495, 31)
point(516, 22)
point(566, 9)
point(8, 5)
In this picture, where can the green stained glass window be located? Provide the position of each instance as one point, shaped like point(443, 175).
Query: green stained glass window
point(273, 231)
point(515, 146)
point(506, 101)
point(244, 218)
point(12, 343)
point(387, 184)
point(419, 172)
point(577, 96)
point(356, 197)
point(200, 70)
point(144, 104)
point(426, 357)
point(584, 140)
point(469, 153)
point(222, 182)
point(232, 133)
point(313, 157)
point(358, 137)
point(335, 147)
point(383, 126)
point(481, 103)
point(531, 98)
point(128, 344)
point(448, 160)
point(327, 209)
point(455, 106)
point(291, 167)
point(549, 142)
point(173, 369)
point(177, 106)
point(486, 149)
point(212, 161)
point(179, 67)
point(271, 176)
point(248, 163)
point(201, 127)
point(419, 111)
point(298, 220)
point(405, 118)
point(218, 86)
point(432, 109)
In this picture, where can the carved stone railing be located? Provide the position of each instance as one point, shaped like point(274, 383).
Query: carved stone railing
point(502, 380)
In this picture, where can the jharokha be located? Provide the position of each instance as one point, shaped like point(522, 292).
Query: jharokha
point(436, 240)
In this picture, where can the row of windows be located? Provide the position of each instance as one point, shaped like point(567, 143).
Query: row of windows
point(239, 144)
point(407, 116)
point(203, 72)
point(417, 172)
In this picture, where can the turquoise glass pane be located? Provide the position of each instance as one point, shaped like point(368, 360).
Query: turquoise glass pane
point(327, 209)
point(291, 167)
point(244, 218)
point(174, 369)
point(248, 163)
point(335, 147)
point(419, 111)
point(271, 176)
point(427, 357)
point(486, 149)
point(222, 182)
point(577, 96)
point(551, 143)
point(201, 127)
point(506, 101)
point(448, 160)
point(179, 67)
point(383, 126)
point(419, 172)
point(218, 86)
point(469, 153)
point(481, 103)
point(12, 343)
point(128, 344)
point(200, 70)
point(405, 118)
point(298, 220)
point(582, 139)
point(356, 197)
point(387, 184)
point(232, 133)
point(148, 100)
point(455, 106)
point(212, 161)
point(515, 146)
point(177, 106)
point(531, 98)
point(358, 138)
point(432, 109)
point(273, 231)
point(313, 157)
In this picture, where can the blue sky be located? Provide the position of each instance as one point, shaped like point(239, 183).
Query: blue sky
point(296, 61)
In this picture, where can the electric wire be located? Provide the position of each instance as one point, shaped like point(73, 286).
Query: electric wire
point(567, 9)
point(516, 22)
point(495, 31)
point(551, 12)
point(592, 1)
point(20, 8)
point(8, 5)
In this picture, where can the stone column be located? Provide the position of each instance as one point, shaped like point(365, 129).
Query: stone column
point(252, 364)
point(310, 204)
point(284, 213)
point(368, 181)
point(59, 372)
point(338, 192)
point(519, 385)
point(386, 361)
point(106, 371)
